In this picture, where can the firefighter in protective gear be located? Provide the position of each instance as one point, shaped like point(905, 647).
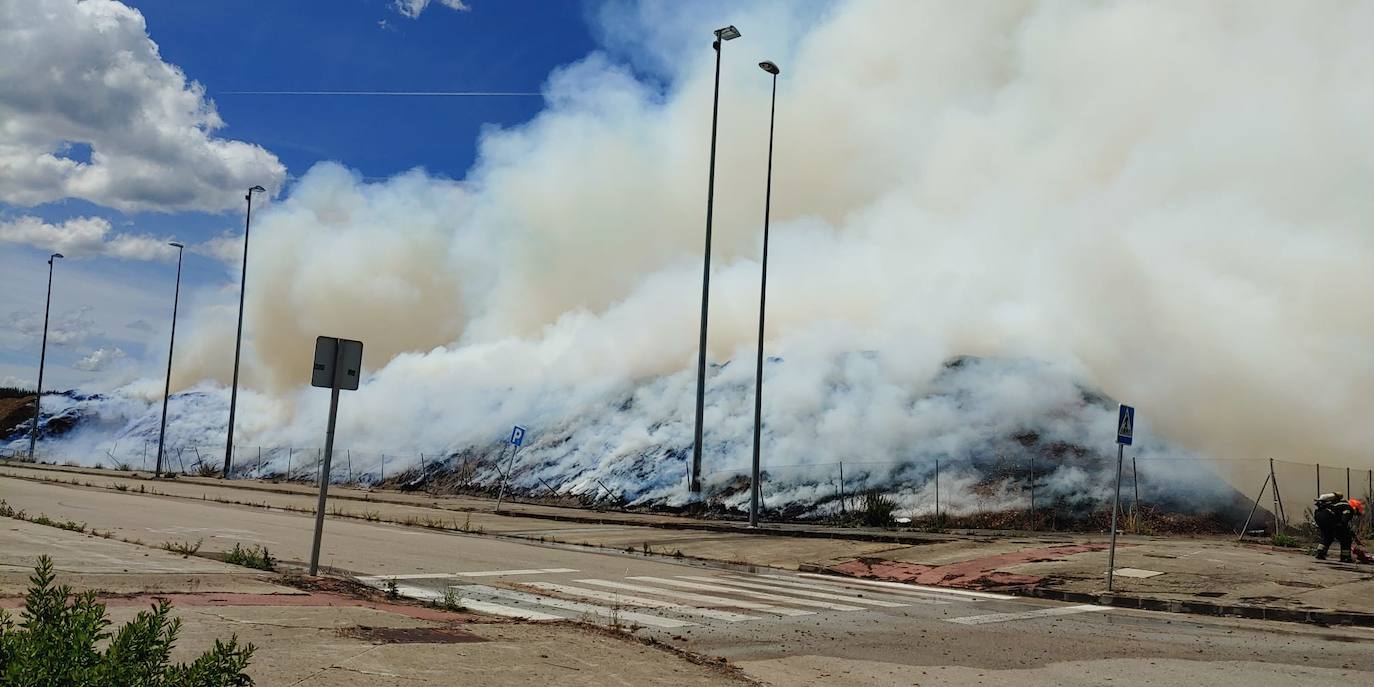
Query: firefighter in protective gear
point(1334, 517)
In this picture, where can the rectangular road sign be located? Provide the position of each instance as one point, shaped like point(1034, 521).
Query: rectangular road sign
point(517, 436)
point(1125, 425)
point(351, 359)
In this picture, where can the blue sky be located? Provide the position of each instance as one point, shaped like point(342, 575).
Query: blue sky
point(107, 303)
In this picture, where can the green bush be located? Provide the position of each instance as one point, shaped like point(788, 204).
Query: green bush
point(54, 645)
point(877, 509)
point(1284, 540)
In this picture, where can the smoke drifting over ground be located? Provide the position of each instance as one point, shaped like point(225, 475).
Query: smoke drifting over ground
point(1165, 201)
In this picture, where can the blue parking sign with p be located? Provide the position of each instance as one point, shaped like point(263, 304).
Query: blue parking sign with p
point(1125, 425)
point(517, 436)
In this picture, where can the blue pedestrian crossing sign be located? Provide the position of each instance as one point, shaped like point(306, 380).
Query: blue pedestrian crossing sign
point(1125, 424)
point(517, 436)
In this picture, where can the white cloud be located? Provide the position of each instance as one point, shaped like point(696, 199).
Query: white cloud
point(413, 8)
point(84, 237)
point(88, 73)
point(99, 359)
point(12, 382)
point(64, 329)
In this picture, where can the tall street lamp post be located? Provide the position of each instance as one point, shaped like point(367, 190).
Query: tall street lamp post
point(726, 34)
point(754, 486)
point(171, 346)
point(42, 361)
point(238, 340)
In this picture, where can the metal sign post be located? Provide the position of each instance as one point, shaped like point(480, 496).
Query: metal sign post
point(1125, 431)
point(338, 365)
point(517, 438)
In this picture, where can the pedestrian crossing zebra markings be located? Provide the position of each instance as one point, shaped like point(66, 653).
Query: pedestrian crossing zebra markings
point(691, 600)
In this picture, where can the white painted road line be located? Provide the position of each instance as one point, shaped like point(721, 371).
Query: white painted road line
point(639, 601)
point(910, 597)
point(369, 579)
point(904, 586)
point(735, 582)
point(744, 592)
point(1027, 615)
point(698, 598)
point(500, 573)
point(602, 611)
point(472, 604)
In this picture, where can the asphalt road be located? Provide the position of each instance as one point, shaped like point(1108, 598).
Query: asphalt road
point(780, 627)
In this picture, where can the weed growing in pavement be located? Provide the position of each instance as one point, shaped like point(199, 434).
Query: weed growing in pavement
point(124, 467)
point(141, 489)
point(121, 487)
point(204, 469)
point(69, 525)
point(184, 548)
point(256, 557)
point(372, 516)
point(452, 602)
point(58, 638)
point(391, 591)
point(1285, 540)
point(8, 511)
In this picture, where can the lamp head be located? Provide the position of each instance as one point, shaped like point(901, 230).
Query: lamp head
point(174, 243)
point(257, 189)
point(55, 256)
point(728, 33)
point(769, 67)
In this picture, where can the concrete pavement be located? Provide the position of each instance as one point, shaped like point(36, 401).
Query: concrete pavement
point(320, 638)
point(1208, 573)
point(808, 629)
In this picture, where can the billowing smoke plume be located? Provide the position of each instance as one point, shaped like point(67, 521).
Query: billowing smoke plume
point(1169, 202)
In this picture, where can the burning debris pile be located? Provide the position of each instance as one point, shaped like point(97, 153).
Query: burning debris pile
point(996, 442)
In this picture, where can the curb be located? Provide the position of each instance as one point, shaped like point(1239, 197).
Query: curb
point(909, 539)
point(1146, 603)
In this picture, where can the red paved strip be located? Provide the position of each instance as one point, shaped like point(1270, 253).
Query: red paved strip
point(976, 573)
point(303, 599)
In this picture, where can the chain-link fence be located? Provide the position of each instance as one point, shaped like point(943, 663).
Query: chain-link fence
point(1017, 492)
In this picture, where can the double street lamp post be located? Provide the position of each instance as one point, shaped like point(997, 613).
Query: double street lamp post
point(42, 361)
point(726, 34)
point(171, 345)
point(754, 486)
point(238, 340)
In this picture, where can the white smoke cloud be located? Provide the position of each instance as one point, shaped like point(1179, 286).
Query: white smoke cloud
point(1166, 202)
point(87, 73)
point(84, 237)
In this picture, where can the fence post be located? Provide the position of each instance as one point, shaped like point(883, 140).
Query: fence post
point(145, 454)
point(319, 463)
point(383, 479)
point(937, 493)
point(289, 451)
point(1135, 484)
point(259, 462)
point(348, 453)
point(1274, 484)
point(843, 509)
